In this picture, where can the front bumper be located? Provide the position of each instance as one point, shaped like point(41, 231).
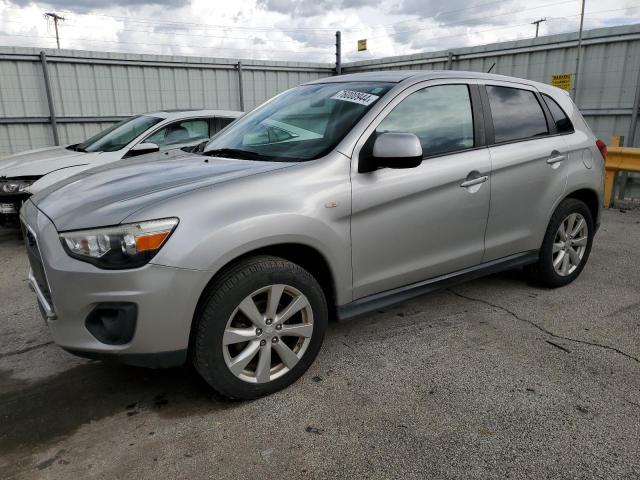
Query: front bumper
point(165, 297)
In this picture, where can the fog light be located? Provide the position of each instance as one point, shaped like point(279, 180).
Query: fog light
point(113, 323)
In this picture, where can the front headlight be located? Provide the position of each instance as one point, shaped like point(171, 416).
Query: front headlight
point(122, 246)
point(15, 186)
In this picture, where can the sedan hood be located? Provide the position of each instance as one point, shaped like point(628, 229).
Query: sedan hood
point(36, 163)
point(109, 194)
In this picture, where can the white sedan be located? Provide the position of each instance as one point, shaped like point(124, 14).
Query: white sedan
point(26, 173)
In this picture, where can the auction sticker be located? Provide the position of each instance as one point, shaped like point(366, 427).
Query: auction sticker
point(355, 97)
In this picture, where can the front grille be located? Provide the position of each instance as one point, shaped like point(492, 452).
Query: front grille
point(35, 260)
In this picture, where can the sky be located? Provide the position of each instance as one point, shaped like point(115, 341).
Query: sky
point(297, 30)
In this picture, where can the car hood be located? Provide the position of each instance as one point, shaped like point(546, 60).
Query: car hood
point(42, 161)
point(107, 195)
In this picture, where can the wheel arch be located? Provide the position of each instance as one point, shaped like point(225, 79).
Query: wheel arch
point(308, 257)
point(591, 199)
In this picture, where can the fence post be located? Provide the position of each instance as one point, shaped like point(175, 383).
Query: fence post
point(338, 53)
point(449, 60)
point(240, 85)
point(47, 86)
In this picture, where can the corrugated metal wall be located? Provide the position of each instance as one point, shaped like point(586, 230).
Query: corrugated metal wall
point(607, 81)
point(91, 90)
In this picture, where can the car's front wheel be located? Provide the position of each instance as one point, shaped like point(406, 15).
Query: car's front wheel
point(260, 328)
point(566, 246)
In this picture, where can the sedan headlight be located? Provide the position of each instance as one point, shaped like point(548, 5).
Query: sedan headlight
point(15, 186)
point(122, 246)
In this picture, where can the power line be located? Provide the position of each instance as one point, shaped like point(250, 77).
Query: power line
point(213, 47)
point(473, 19)
point(226, 37)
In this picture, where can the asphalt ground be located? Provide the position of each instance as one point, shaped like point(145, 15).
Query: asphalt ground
point(490, 379)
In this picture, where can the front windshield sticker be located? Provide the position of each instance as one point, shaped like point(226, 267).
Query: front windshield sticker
point(355, 97)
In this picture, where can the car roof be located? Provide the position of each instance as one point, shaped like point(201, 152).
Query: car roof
point(413, 76)
point(187, 113)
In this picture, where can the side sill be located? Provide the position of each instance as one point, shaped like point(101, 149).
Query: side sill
point(146, 360)
point(401, 294)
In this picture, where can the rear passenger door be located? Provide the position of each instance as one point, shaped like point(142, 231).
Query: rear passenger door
point(528, 168)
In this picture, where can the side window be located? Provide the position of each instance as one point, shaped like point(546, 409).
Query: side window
point(180, 132)
point(516, 113)
point(439, 116)
point(563, 124)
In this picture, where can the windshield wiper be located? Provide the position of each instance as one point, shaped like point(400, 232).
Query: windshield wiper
point(234, 153)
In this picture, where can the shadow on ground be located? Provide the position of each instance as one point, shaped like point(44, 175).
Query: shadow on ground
point(57, 406)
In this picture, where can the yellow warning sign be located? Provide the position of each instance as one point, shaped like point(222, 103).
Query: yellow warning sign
point(362, 45)
point(562, 80)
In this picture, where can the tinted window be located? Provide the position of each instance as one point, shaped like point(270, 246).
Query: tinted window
point(181, 132)
point(563, 124)
point(439, 116)
point(517, 115)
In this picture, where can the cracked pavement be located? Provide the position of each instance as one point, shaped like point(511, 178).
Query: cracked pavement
point(490, 379)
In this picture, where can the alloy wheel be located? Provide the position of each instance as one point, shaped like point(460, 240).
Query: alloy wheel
point(268, 333)
point(570, 244)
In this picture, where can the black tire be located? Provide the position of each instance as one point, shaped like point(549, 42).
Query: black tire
point(543, 272)
point(224, 295)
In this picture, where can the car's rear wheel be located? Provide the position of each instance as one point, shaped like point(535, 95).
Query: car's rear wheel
point(260, 328)
point(566, 246)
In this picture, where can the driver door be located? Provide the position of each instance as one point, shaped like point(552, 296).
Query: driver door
point(418, 223)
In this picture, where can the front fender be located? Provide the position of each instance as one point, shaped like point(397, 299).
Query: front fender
point(309, 204)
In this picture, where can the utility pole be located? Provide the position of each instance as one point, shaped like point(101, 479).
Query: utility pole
point(338, 53)
point(575, 83)
point(56, 18)
point(537, 24)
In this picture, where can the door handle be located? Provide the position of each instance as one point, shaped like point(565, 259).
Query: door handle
point(474, 181)
point(556, 158)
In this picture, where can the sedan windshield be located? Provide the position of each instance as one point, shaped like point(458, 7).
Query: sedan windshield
point(118, 136)
point(303, 123)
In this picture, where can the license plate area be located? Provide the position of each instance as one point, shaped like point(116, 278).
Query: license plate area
point(8, 208)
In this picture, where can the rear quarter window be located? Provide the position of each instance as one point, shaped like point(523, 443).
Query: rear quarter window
point(563, 124)
point(516, 113)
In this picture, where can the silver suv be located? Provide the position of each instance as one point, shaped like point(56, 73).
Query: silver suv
point(334, 198)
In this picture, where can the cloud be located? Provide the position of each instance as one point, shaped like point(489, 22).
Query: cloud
point(93, 5)
point(304, 8)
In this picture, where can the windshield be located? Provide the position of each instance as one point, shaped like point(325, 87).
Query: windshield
point(119, 135)
point(303, 123)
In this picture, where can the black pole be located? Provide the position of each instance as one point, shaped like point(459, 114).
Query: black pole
point(240, 86)
point(338, 53)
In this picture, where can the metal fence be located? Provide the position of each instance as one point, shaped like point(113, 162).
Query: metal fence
point(90, 90)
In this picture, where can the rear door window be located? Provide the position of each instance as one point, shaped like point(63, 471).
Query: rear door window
point(516, 113)
point(563, 124)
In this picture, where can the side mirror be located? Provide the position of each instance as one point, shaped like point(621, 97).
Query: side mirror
point(142, 149)
point(397, 150)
